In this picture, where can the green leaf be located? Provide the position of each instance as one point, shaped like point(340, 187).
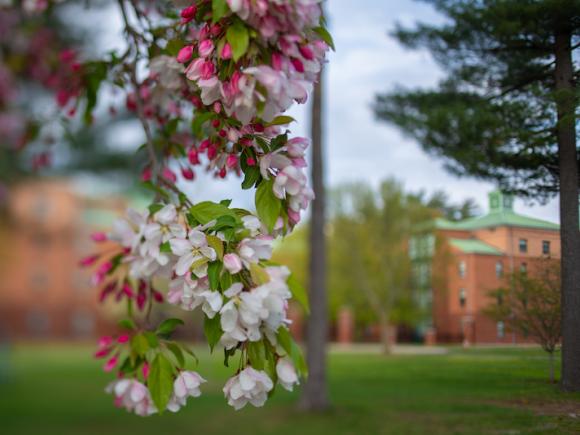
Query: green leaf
point(298, 292)
point(213, 330)
point(225, 222)
point(251, 176)
point(226, 281)
point(154, 208)
point(127, 324)
point(258, 274)
point(151, 339)
point(168, 326)
point(285, 339)
point(227, 354)
point(281, 120)
point(198, 121)
point(165, 248)
point(140, 344)
point(173, 46)
point(207, 211)
point(239, 38)
point(292, 350)
point(298, 359)
point(160, 381)
point(177, 352)
point(217, 245)
point(214, 270)
point(325, 36)
point(257, 354)
point(267, 205)
point(219, 9)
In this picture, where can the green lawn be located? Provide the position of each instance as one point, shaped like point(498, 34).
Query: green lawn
point(59, 390)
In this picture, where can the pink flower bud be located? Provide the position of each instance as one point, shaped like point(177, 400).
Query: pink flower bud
point(204, 145)
point(231, 161)
point(146, 174)
point(215, 29)
point(145, 370)
point(211, 152)
point(217, 107)
point(169, 175)
point(215, 123)
point(187, 173)
point(123, 338)
point(306, 52)
point(222, 173)
point(188, 14)
point(158, 296)
point(110, 365)
point(185, 54)
point(101, 353)
point(277, 61)
point(206, 48)
point(232, 263)
point(226, 51)
point(128, 290)
point(298, 65)
point(98, 237)
point(105, 341)
point(193, 156)
point(88, 261)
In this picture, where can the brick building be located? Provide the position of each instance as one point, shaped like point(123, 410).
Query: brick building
point(457, 264)
point(43, 233)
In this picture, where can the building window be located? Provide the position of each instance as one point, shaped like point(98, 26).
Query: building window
point(462, 297)
point(523, 245)
point(500, 327)
point(39, 280)
point(462, 269)
point(38, 322)
point(82, 323)
point(545, 247)
point(523, 268)
point(499, 269)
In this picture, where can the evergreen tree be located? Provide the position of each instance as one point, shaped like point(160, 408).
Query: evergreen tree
point(507, 113)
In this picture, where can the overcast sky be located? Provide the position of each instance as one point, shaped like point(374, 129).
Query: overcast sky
point(367, 61)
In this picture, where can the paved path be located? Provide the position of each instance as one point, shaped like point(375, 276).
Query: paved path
point(400, 349)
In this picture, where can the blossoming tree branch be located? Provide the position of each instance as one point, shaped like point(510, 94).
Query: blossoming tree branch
point(209, 84)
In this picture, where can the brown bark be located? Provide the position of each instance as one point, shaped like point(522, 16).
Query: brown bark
point(569, 233)
point(315, 396)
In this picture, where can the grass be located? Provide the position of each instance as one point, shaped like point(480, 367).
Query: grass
point(59, 390)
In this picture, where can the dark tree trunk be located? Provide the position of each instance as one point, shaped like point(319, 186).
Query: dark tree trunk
point(569, 233)
point(315, 397)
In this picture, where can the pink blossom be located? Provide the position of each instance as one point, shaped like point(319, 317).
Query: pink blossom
point(226, 51)
point(232, 263)
point(185, 54)
point(206, 48)
point(111, 363)
point(99, 237)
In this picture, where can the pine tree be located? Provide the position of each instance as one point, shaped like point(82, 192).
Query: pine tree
point(507, 113)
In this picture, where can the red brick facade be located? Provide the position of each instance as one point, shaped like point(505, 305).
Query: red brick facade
point(465, 279)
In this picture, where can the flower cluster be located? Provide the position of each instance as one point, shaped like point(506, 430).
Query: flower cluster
point(210, 257)
point(214, 93)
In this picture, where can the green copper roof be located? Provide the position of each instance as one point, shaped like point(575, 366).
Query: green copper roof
point(497, 219)
point(473, 246)
point(501, 214)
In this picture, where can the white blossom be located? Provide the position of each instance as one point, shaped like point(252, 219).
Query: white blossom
point(286, 372)
point(249, 386)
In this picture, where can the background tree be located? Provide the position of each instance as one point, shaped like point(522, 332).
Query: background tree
point(506, 112)
point(530, 305)
point(371, 268)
